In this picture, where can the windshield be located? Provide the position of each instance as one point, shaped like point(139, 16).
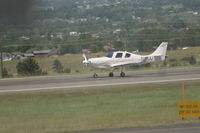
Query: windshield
point(109, 55)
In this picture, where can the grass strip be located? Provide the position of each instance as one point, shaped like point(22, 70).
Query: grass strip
point(94, 109)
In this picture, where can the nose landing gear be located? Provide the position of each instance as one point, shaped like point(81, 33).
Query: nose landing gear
point(111, 74)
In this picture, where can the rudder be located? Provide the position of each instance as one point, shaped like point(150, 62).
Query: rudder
point(161, 50)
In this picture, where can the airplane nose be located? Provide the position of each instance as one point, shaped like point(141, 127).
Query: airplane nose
point(86, 62)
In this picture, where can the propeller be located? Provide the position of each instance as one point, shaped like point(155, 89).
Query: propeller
point(86, 62)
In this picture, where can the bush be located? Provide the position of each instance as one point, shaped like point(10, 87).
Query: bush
point(77, 71)
point(28, 67)
point(192, 60)
point(57, 66)
point(165, 63)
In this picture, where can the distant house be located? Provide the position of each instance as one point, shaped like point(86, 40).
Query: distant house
point(29, 55)
point(59, 35)
point(41, 53)
point(6, 58)
point(116, 31)
point(17, 57)
point(24, 38)
point(73, 33)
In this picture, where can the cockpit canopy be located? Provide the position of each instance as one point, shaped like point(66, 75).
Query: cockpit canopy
point(119, 54)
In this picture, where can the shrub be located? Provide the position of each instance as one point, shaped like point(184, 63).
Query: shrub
point(57, 66)
point(192, 60)
point(77, 71)
point(165, 63)
point(28, 67)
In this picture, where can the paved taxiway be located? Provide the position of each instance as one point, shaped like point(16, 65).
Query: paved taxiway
point(86, 81)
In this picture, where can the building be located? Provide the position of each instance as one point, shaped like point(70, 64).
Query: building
point(6, 58)
point(41, 53)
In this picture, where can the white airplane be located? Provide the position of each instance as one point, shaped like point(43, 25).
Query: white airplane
point(123, 58)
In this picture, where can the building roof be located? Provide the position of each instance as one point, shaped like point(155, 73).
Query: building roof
point(42, 52)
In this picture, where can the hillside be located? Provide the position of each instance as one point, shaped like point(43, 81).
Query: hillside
point(73, 25)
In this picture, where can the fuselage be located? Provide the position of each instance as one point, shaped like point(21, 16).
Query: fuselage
point(115, 59)
point(124, 58)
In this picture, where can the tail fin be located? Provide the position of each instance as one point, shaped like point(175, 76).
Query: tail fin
point(161, 50)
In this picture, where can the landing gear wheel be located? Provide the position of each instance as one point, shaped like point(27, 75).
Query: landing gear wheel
point(95, 75)
point(111, 74)
point(122, 74)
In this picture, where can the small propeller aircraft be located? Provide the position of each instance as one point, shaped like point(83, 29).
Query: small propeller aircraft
point(119, 59)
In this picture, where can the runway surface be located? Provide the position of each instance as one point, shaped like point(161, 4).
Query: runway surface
point(85, 80)
point(190, 128)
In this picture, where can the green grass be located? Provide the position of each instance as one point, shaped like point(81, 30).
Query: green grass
point(93, 109)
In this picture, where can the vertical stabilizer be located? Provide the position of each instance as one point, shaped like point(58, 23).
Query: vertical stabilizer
point(161, 50)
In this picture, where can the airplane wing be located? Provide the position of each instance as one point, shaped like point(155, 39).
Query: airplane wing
point(122, 64)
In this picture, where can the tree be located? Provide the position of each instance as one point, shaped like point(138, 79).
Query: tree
point(70, 49)
point(192, 60)
point(118, 45)
point(178, 23)
point(57, 66)
point(28, 67)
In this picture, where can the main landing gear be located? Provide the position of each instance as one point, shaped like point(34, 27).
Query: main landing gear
point(111, 74)
point(122, 74)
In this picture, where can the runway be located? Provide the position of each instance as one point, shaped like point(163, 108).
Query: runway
point(69, 82)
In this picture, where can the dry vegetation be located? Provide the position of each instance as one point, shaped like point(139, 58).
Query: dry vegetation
point(176, 58)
